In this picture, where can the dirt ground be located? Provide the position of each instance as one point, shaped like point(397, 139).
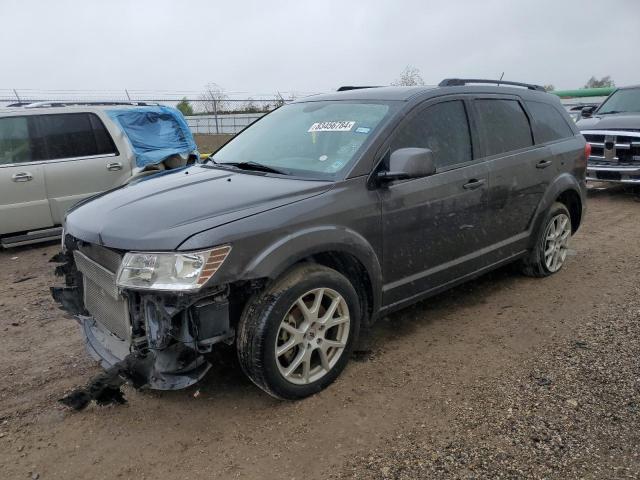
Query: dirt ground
point(210, 143)
point(506, 376)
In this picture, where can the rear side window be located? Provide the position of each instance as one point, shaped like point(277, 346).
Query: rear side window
point(548, 123)
point(73, 135)
point(503, 125)
point(444, 129)
point(15, 143)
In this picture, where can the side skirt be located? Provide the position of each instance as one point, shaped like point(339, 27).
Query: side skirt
point(387, 309)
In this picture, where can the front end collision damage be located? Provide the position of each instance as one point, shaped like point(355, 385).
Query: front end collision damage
point(170, 334)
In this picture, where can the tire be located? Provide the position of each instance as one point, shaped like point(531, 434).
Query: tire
point(319, 339)
point(557, 224)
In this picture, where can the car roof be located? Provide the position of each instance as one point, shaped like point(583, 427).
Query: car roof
point(55, 108)
point(406, 94)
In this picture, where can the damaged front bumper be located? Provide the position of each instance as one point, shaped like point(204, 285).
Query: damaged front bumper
point(163, 337)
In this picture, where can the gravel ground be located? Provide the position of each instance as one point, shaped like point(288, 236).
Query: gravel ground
point(571, 411)
point(506, 376)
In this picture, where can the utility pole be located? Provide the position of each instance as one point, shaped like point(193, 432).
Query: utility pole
point(17, 96)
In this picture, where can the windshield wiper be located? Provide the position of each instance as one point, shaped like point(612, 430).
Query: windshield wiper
point(611, 112)
point(259, 167)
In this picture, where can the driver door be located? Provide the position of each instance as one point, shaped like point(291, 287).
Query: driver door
point(435, 227)
point(23, 197)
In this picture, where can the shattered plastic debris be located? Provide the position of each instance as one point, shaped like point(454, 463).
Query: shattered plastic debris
point(104, 388)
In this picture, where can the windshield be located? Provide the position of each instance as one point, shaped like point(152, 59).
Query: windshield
point(315, 139)
point(622, 101)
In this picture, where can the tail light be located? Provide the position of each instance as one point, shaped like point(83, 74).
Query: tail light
point(582, 161)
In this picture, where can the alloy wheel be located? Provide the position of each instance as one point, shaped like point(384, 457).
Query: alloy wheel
point(556, 241)
point(312, 336)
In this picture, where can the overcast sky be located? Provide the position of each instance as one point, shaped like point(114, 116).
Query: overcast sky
point(259, 47)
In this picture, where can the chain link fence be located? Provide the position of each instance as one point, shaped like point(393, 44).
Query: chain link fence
point(221, 124)
point(209, 113)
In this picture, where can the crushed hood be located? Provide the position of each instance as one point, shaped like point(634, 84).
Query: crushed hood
point(162, 211)
point(617, 121)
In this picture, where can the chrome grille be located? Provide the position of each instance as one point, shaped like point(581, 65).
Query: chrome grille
point(613, 147)
point(101, 297)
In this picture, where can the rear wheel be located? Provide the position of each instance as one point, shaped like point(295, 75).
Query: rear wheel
point(550, 251)
point(296, 337)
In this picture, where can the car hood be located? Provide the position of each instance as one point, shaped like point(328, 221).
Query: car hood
point(616, 121)
point(161, 212)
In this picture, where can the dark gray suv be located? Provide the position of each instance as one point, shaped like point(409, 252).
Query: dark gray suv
point(315, 221)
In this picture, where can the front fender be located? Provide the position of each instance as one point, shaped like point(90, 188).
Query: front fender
point(288, 250)
point(281, 254)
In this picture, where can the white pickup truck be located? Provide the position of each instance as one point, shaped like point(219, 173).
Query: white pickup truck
point(54, 155)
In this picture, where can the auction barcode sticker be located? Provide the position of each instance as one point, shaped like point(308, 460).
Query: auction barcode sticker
point(331, 127)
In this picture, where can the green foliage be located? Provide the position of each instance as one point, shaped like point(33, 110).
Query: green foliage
point(593, 82)
point(185, 107)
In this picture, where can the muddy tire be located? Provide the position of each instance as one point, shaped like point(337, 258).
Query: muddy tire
point(295, 338)
point(550, 250)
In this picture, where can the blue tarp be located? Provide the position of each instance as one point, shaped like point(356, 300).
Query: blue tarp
point(155, 132)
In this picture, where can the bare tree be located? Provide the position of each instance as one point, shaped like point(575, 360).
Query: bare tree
point(593, 82)
point(410, 76)
point(280, 99)
point(250, 106)
point(214, 100)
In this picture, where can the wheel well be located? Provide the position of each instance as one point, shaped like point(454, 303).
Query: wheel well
point(571, 199)
point(355, 271)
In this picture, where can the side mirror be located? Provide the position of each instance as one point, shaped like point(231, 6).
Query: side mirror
point(586, 112)
point(406, 163)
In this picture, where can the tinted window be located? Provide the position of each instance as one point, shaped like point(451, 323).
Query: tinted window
point(548, 123)
point(15, 146)
point(503, 125)
point(443, 128)
point(73, 135)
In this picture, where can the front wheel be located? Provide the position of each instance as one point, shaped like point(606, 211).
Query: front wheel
point(550, 251)
point(297, 336)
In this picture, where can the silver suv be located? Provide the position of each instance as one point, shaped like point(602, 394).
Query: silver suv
point(54, 155)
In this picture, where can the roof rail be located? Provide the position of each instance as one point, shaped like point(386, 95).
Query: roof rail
point(65, 104)
point(457, 82)
point(356, 87)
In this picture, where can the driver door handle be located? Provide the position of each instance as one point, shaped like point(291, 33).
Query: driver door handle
point(543, 163)
point(22, 177)
point(113, 166)
point(473, 184)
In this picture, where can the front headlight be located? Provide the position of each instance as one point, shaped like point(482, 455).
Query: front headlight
point(179, 271)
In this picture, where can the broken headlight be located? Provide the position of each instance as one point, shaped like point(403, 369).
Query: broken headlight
point(182, 271)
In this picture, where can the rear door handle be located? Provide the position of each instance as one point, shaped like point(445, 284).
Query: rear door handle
point(543, 163)
point(22, 177)
point(113, 166)
point(473, 184)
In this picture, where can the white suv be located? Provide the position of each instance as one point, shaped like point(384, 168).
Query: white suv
point(54, 155)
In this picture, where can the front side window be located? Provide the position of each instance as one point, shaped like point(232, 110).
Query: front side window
point(73, 135)
point(503, 125)
point(314, 139)
point(548, 123)
point(444, 129)
point(621, 101)
point(15, 143)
